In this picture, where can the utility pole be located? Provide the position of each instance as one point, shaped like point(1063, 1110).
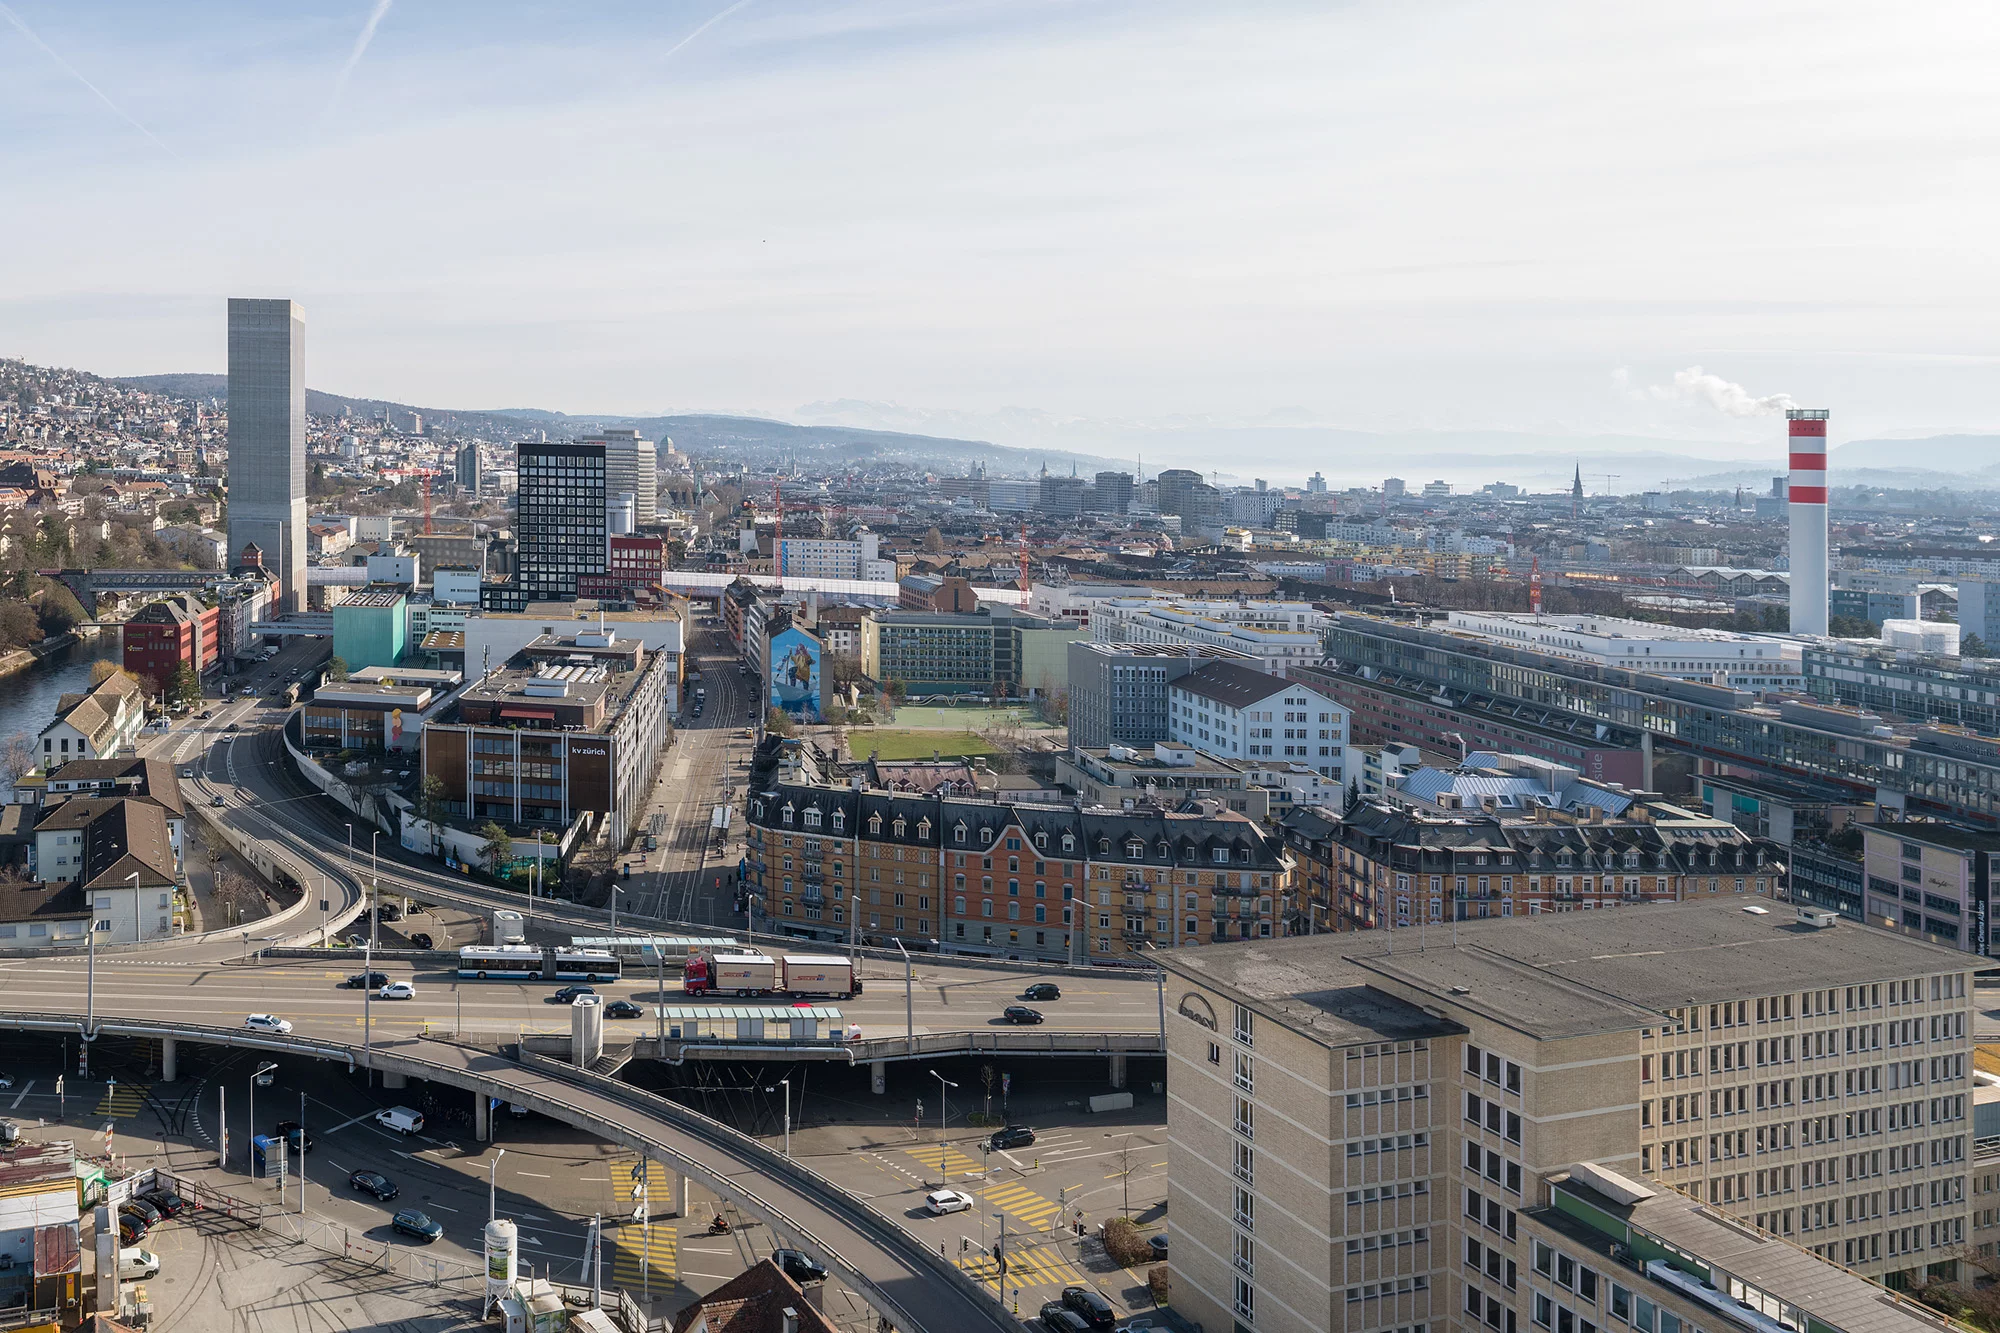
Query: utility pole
point(909, 1002)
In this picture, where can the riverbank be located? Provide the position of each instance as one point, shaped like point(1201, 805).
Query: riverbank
point(23, 658)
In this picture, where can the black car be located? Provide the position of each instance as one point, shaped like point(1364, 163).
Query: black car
point(623, 1009)
point(413, 1222)
point(1157, 1243)
point(1042, 990)
point(1059, 1318)
point(164, 1202)
point(568, 994)
point(131, 1228)
point(142, 1210)
point(799, 1267)
point(391, 912)
point(1013, 1136)
point(1021, 1013)
point(294, 1134)
point(1096, 1311)
point(367, 980)
point(375, 1183)
point(421, 941)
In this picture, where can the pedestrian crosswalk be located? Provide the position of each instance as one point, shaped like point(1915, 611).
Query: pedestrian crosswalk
point(634, 1257)
point(1019, 1201)
point(122, 1101)
point(950, 1161)
point(1035, 1266)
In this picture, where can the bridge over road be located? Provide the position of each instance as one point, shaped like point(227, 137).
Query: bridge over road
point(916, 1289)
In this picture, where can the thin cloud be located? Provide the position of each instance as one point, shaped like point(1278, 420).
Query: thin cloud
point(1695, 385)
point(375, 17)
point(721, 15)
point(22, 27)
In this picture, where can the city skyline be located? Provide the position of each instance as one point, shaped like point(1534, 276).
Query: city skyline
point(1107, 220)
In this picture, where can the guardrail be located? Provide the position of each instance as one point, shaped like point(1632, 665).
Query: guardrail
point(775, 1163)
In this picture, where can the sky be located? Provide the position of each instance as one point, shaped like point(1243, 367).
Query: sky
point(1032, 216)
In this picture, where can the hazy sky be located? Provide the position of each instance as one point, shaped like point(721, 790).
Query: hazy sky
point(1378, 215)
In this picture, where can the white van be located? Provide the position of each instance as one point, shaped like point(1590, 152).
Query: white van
point(401, 1119)
point(135, 1263)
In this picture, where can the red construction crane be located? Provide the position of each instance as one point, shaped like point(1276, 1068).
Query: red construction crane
point(1024, 553)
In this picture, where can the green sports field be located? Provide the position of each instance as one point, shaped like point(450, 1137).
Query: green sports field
point(901, 743)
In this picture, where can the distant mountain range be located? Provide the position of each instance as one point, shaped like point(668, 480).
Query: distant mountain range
point(1284, 453)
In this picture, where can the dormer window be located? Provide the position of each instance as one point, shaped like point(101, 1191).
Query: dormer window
point(924, 828)
point(1104, 846)
point(1134, 850)
point(958, 833)
point(1041, 842)
point(985, 836)
point(1221, 855)
point(1632, 860)
point(1069, 842)
point(1564, 857)
point(902, 826)
point(786, 813)
point(812, 818)
point(757, 809)
point(875, 826)
point(839, 820)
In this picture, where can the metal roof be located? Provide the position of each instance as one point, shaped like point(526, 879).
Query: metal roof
point(772, 1013)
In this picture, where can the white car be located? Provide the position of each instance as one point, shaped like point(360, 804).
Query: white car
point(939, 1202)
point(268, 1023)
point(397, 990)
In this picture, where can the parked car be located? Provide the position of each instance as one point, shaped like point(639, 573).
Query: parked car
point(131, 1229)
point(268, 1023)
point(1157, 1243)
point(366, 980)
point(135, 1264)
point(391, 912)
point(1042, 990)
point(1021, 1013)
point(397, 990)
point(421, 941)
point(1059, 1318)
point(165, 1202)
point(1096, 1311)
point(375, 1183)
point(294, 1135)
point(142, 1210)
point(799, 1266)
point(623, 1009)
point(1013, 1136)
point(568, 994)
point(939, 1202)
point(412, 1222)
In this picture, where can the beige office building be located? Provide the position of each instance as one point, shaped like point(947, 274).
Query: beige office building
point(1375, 1130)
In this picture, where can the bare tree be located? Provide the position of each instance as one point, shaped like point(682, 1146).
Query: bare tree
point(987, 1076)
point(239, 898)
point(18, 757)
point(1123, 1156)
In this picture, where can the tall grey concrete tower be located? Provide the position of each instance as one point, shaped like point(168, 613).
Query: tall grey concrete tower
point(267, 441)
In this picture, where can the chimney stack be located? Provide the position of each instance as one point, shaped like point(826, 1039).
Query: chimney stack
point(1808, 512)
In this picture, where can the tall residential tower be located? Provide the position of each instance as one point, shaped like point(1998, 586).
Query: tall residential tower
point(560, 518)
point(267, 441)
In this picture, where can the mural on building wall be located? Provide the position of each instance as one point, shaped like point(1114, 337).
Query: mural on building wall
point(794, 673)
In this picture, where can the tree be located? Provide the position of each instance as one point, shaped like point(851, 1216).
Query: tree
point(186, 687)
point(934, 542)
point(18, 757)
point(1850, 627)
point(896, 690)
point(778, 722)
point(336, 669)
point(497, 850)
point(1971, 645)
point(1123, 1156)
point(18, 625)
point(103, 671)
point(1055, 706)
point(57, 608)
point(987, 1075)
point(430, 809)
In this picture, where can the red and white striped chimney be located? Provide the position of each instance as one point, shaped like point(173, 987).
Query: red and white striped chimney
point(1808, 512)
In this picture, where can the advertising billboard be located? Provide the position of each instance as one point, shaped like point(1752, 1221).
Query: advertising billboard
point(794, 673)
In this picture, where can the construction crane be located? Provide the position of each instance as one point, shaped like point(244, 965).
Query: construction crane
point(426, 474)
point(1609, 477)
point(1024, 553)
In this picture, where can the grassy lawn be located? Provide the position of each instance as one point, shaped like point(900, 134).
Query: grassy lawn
point(963, 719)
point(898, 743)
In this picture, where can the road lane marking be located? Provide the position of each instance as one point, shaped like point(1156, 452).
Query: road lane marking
point(538, 1175)
point(365, 1115)
point(22, 1096)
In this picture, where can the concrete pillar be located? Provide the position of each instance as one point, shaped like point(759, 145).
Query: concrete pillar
point(680, 1195)
point(878, 1076)
point(170, 1062)
point(1118, 1072)
point(394, 1081)
point(482, 1117)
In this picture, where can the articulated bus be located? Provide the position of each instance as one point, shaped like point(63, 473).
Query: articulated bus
point(531, 962)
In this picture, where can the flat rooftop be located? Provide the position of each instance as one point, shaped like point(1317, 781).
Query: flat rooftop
point(1568, 974)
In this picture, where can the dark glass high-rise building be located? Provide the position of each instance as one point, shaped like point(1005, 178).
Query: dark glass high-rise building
point(559, 527)
point(267, 441)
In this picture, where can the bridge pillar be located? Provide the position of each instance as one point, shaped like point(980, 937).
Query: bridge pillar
point(680, 1195)
point(878, 1076)
point(1118, 1072)
point(482, 1117)
point(169, 1059)
point(395, 1081)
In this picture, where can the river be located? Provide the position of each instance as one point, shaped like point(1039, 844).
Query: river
point(28, 698)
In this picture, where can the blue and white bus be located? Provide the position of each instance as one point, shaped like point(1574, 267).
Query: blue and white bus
point(585, 964)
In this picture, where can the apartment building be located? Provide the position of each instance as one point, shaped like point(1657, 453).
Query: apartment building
point(1031, 881)
point(1118, 691)
point(1380, 1131)
point(1231, 711)
point(1278, 636)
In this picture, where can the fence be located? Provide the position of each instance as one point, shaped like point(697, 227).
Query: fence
point(339, 1240)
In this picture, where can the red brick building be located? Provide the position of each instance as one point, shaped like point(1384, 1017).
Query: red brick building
point(635, 566)
point(171, 633)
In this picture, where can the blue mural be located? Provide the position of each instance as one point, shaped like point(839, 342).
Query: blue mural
point(793, 672)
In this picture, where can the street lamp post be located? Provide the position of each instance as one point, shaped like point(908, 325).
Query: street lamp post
point(615, 891)
point(367, 1012)
point(492, 1184)
point(250, 1144)
point(374, 892)
point(786, 1084)
point(943, 1083)
point(909, 1001)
